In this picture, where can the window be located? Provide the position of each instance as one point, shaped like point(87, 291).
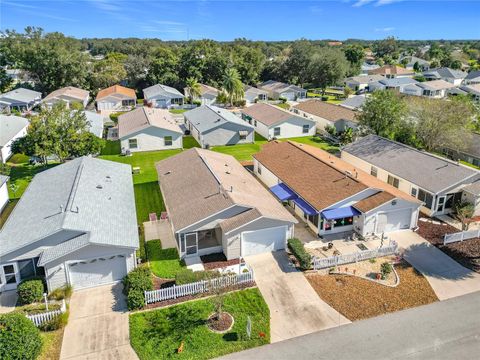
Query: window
point(26, 268)
point(426, 197)
point(276, 131)
point(255, 123)
point(168, 140)
point(343, 222)
point(373, 171)
point(413, 192)
point(305, 129)
point(393, 181)
point(243, 137)
point(259, 169)
point(132, 143)
point(313, 219)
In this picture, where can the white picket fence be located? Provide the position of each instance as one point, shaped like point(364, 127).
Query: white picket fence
point(41, 318)
point(460, 236)
point(198, 287)
point(322, 263)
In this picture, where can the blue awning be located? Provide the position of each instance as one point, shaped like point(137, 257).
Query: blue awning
point(283, 192)
point(307, 209)
point(339, 213)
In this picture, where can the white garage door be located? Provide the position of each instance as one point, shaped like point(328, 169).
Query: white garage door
point(96, 272)
point(393, 221)
point(260, 241)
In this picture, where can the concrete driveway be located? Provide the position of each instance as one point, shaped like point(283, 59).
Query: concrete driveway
point(295, 308)
point(447, 277)
point(98, 325)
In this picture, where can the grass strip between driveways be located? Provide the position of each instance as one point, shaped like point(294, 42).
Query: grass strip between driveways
point(52, 344)
point(157, 334)
point(165, 263)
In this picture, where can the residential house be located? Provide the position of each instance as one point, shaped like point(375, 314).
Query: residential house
point(277, 90)
point(331, 195)
point(68, 95)
point(397, 84)
point(273, 122)
point(415, 63)
point(11, 129)
point(254, 95)
point(354, 102)
point(473, 90)
point(436, 181)
point(212, 126)
point(96, 123)
point(366, 67)
point(357, 83)
point(19, 76)
point(436, 89)
point(162, 96)
point(74, 225)
point(147, 129)
point(116, 98)
point(208, 94)
point(325, 114)
point(20, 99)
point(452, 76)
point(3, 193)
point(472, 78)
point(471, 194)
point(470, 154)
point(215, 205)
point(392, 72)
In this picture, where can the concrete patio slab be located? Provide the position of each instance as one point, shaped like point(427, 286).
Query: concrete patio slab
point(160, 230)
point(295, 308)
point(8, 299)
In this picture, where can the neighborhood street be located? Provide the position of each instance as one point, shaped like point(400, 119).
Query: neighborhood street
point(443, 330)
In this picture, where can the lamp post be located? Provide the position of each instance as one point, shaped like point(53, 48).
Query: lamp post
point(46, 301)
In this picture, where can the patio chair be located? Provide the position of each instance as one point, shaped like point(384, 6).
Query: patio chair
point(153, 216)
point(163, 215)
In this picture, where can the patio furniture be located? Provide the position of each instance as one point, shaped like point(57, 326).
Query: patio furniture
point(330, 245)
point(136, 170)
point(152, 217)
point(163, 215)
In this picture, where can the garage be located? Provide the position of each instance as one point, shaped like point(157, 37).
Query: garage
point(94, 272)
point(261, 241)
point(393, 221)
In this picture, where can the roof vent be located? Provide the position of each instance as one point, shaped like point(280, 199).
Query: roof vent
point(99, 186)
point(168, 172)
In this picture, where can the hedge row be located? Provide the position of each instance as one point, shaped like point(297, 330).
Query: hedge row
point(134, 284)
point(298, 250)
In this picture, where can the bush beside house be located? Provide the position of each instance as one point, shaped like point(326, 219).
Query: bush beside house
point(135, 283)
point(30, 291)
point(19, 338)
point(298, 250)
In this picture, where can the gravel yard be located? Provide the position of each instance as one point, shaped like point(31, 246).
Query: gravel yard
point(357, 298)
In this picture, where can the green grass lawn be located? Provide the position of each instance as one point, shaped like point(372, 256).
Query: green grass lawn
point(283, 106)
point(164, 263)
point(157, 334)
point(111, 148)
point(148, 199)
point(52, 344)
point(21, 175)
point(145, 160)
point(177, 111)
point(189, 142)
point(317, 142)
point(7, 210)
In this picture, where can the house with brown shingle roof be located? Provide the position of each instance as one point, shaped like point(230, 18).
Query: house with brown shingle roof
point(69, 95)
point(117, 98)
point(392, 71)
point(330, 194)
point(325, 114)
point(215, 205)
point(148, 129)
point(271, 122)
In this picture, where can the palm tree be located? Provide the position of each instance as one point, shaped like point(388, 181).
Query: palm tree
point(193, 88)
point(232, 84)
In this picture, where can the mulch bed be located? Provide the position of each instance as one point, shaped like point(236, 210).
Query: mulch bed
point(357, 298)
point(465, 252)
point(221, 324)
point(194, 297)
point(217, 261)
point(159, 283)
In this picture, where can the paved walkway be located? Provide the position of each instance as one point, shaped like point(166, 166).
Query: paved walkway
point(159, 229)
point(295, 308)
point(457, 224)
point(447, 277)
point(98, 325)
point(8, 300)
point(440, 331)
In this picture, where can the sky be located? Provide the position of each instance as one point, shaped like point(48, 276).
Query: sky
point(255, 20)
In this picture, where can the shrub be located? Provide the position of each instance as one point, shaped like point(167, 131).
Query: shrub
point(135, 300)
point(19, 338)
point(64, 292)
point(240, 103)
point(30, 291)
point(298, 250)
point(187, 276)
point(324, 98)
point(385, 269)
point(197, 102)
point(58, 322)
point(283, 99)
point(138, 279)
point(114, 116)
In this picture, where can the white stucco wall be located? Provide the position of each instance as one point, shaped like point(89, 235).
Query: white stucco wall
point(6, 151)
point(152, 138)
point(3, 196)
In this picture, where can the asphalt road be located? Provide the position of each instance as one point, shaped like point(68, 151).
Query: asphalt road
point(444, 330)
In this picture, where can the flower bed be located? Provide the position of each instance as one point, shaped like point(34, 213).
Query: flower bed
point(217, 261)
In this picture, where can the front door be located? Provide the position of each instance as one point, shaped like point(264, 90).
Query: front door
point(191, 244)
point(441, 204)
point(9, 276)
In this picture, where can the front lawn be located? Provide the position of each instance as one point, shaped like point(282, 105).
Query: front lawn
point(148, 199)
point(189, 142)
point(159, 333)
point(284, 106)
point(357, 298)
point(164, 263)
point(145, 160)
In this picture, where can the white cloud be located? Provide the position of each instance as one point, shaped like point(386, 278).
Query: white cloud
point(168, 22)
point(385, 29)
point(386, 2)
point(361, 3)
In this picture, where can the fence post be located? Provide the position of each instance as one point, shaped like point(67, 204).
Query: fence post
point(64, 306)
point(174, 292)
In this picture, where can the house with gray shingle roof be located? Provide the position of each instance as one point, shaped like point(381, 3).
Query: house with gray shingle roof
point(213, 126)
point(453, 76)
point(11, 128)
point(412, 61)
point(75, 224)
point(277, 89)
point(215, 205)
point(436, 181)
point(472, 78)
point(20, 99)
point(397, 84)
point(163, 96)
